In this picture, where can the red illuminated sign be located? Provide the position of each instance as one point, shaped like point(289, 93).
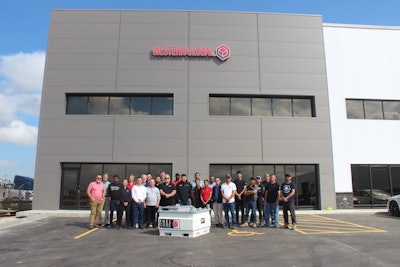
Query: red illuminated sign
point(222, 52)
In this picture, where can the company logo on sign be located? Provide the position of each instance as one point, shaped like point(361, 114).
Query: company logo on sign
point(222, 52)
point(175, 223)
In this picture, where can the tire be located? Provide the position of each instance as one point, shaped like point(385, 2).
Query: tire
point(14, 203)
point(394, 208)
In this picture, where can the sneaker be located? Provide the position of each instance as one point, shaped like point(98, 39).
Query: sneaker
point(246, 224)
point(91, 226)
point(232, 227)
point(254, 225)
point(266, 225)
point(275, 226)
point(294, 226)
point(222, 226)
point(285, 225)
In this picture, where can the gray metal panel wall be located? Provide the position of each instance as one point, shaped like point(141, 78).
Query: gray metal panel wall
point(109, 51)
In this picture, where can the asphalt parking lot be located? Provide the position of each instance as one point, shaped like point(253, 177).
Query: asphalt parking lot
point(321, 239)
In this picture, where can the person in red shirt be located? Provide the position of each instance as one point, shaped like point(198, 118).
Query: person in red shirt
point(206, 194)
point(177, 179)
point(131, 182)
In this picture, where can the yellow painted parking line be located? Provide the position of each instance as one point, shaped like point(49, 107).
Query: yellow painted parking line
point(316, 224)
point(243, 233)
point(90, 231)
point(86, 233)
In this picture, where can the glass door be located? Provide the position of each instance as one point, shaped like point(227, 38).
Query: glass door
point(70, 189)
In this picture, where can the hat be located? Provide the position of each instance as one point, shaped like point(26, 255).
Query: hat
point(258, 177)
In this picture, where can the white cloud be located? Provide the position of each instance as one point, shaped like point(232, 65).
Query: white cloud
point(7, 164)
point(22, 72)
point(17, 132)
point(21, 78)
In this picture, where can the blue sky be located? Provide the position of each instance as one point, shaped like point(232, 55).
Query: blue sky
point(24, 28)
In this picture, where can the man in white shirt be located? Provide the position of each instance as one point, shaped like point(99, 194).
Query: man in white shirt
point(228, 191)
point(139, 197)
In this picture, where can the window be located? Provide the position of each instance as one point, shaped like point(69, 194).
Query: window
point(240, 106)
point(355, 109)
point(98, 105)
point(374, 184)
point(304, 175)
point(261, 106)
point(220, 106)
point(391, 110)
point(236, 105)
point(77, 104)
point(302, 108)
point(162, 105)
point(373, 109)
point(122, 104)
point(281, 107)
point(141, 105)
point(75, 178)
point(119, 105)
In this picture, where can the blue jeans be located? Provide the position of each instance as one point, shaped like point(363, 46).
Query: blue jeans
point(271, 210)
point(250, 205)
point(230, 207)
point(115, 206)
point(138, 211)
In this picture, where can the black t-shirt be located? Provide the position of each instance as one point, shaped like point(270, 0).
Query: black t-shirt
point(168, 190)
point(272, 190)
point(251, 197)
point(183, 190)
point(114, 191)
point(196, 197)
point(261, 191)
point(240, 184)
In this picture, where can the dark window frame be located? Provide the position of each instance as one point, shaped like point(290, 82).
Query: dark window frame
point(271, 97)
point(382, 107)
point(131, 96)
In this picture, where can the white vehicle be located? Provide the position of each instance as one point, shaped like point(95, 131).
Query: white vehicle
point(393, 205)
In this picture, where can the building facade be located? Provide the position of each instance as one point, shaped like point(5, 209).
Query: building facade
point(131, 92)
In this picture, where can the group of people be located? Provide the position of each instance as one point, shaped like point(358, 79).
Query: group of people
point(140, 199)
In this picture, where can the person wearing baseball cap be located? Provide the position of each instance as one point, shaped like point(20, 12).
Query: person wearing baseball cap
point(288, 190)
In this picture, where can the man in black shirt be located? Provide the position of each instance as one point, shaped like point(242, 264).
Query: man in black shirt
point(183, 190)
point(196, 200)
point(260, 199)
point(114, 193)
point(239, 197)
point(167, 192)
point(272, 195)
